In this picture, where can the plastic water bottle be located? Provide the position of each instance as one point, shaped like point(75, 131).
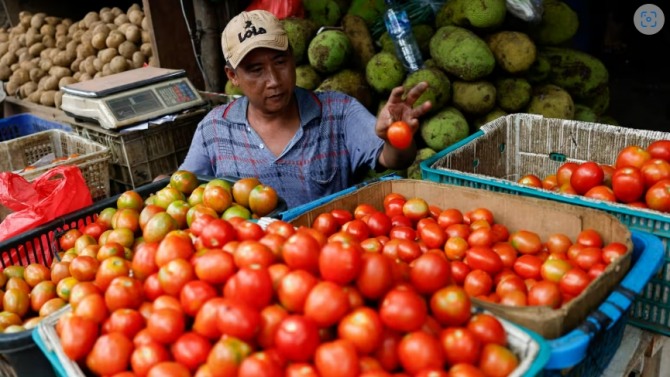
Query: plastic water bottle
point(400, 30)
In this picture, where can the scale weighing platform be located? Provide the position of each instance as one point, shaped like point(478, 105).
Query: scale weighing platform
point(130, 97)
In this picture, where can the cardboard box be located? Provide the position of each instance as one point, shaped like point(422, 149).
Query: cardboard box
point(541, 216)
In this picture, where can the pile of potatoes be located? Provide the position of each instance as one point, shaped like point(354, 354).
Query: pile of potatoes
point(42, 53)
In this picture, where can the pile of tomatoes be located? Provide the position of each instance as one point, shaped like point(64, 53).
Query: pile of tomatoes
point(640, 177)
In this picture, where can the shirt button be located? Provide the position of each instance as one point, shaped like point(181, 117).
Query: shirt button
point(261, 146)
point(248, 129)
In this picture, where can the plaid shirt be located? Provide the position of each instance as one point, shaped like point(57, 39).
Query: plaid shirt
point(336, 137)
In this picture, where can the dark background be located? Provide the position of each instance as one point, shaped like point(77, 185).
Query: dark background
point(638, 64)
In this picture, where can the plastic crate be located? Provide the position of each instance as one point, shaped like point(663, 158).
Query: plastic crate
point(587, 350)
point(93, 159)
point(495, 157)
point(139, 156)
point(533, 350)
point(27, 124)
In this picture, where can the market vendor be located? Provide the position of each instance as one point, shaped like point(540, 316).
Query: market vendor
point(304, 144)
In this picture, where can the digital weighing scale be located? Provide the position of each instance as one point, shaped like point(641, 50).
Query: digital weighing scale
point(130, 97)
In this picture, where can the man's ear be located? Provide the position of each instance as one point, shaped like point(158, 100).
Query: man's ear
point(230, 73)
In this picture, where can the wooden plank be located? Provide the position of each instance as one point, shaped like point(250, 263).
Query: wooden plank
point(170, 40)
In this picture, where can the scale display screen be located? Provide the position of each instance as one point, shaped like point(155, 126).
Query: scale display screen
point(175, 94)
point(133, 105)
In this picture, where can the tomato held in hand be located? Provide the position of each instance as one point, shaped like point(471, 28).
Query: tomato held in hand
point(400, 135)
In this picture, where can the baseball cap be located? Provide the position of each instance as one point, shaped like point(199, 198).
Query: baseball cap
point(250, 30)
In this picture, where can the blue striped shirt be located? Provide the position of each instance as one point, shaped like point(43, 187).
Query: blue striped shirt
point(336, 138)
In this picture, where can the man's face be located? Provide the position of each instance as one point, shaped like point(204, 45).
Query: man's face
point(267, 78)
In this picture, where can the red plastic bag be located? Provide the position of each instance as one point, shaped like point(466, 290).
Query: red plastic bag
point(280, 8)
point(59, 191)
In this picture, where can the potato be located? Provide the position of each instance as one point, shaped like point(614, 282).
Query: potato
point(77, 75)
point(85, 39)
point(26, 89)
point(121, 19)
point(102, 29)
point(118, 64)
point(25, 18)
point(99, 40)
point(135, 16)
point(106, 70)
point(49, 41)
point(84, 76)
point(76, 36)
point(29, 64)
point(116, 11)
point(52, 53)
point(42, 81)
point(5, 72)
point(36, 49)
point(107, 16)
point(52, 21)
point(146, 49)
point(4, 37)
point(45, 64)
point(47, 98)
point(63, 58)
point(4, 47)
point(65, 81)
point(37, 20)
point(58, 99)
point(146, 37)
point(87, 66)
point(97, 65)
point(97, 75)
point(84, 51)
point(89, 18)
point(114, 39)
point(138, 59)
point(8, 59)
point(25, 57)
point(47, 29)
point(107, 54)
point(61, 29)
point(36, 74)
point(74, 66)
point(18, 30)
point(73, 28)
point(11, 87)
point(133, 33)
point(123, 27)
point(21, 76)
point(13, 46)
point(51, 83)
point(14, 66)
point(67, 22)
point(133, 7)
point(71, 48)
point(61, 41)
point(153, 62)
point(35, 96)
point(127, 49)
point(145, 23)
point(33, 36)
point(112, 26)
point(59, 72)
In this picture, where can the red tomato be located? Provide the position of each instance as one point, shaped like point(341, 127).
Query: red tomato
point(628, 184)
point(387, 353)
point(655, 170)
point(123, 292)
point(165, 325)
point(337, 359)
point(587, 175)
point(174, 274)
point(214, 266)
point(477, 283)
point(364, 209)
point(402, 232)
point(400, 135)
point(191, 350)
point(145, 356)
point(612, 251)
point(194, 294)
point(526, 242)
point(550, 182)
point(554, 269)
point(660, 149)
point(226, 355)
point(531, 180)
point(564, 172)
point(528, 266)
point(510, 283)
point(78, 334)
point(601, 193)
point(394, 207)
point(506, 252)
point(459, 270)
point(326, 304)
point(558, 243)
point(589, 238)
point(451, 306)
point(325, 223)
point(301, 251)
point(574, 281)
point(449, 216)
point(544, 293)
point(392, 196)
point(110, 354)
point(253, 253)
point(416, 209)
point(301, 370)
point(418, 350)
point(484, 258)
point(363, 328)
point(432, 235)
point(376, 275)
point(460, 345)
point(465, 370)
point(261, 364)
point(456, 247)
point(588, 257)
point(632, 156)
point(488, 329)
point(496, 360)
point(357, 228)
point(251, 285)
point(237, 319)
point(403, 309)
point(339, 262)
point(658, 196)
point(297, 338)
point(271, 316)
point(293, 289)
point(429, 272)
point(379, 224)
point(126, 321)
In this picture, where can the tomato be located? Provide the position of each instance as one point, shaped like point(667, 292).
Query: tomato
point(418, 350)
point(124, 292)
point(574, 281)
point(339, 262)
point(386, 352)
point(497, 361)
point(558, 243)
point(465, 370)
point(460, 345)
point(262, 364)
point(362, 210)
point(376, 275)
point(632, 155)
point(459, 270)
point(407, 250)
point(403, 309)
point(550, 182)
point(510, 283)
point(251, 285)
point(451, 306)
point(294, 288)
point(363, 328)
point(483, 258)
point(67, 240)
point(45, 291)
point(601, 193)
point(297, 338)
point(174, 275)
point(191, 350)
point(249, 230)
point(628, 184)
point(564, 172)
point(326, 304)
point(588, 257)
point(357, 228)
point(477, 283)
point(429, 272)
point(301, 251)
point(325, 223)
point(596, 270)
point(194, 294)
point(271, 316)
point(654, 170)
point(165, 325)
point(238, 319)
point(110, 354)
point(554, 269)
point(92, 306)
point(379, 224)
point(145, 356)
point(400, 135)
point(77, 336)
point(526, 242)
point(301, 370)
point(658, 196)
point(226, 355)
point(660, 149)
point(531, 180)
point(586, 176)
point(528, 266)
point(35, 273)
point(456, 247)
point(126, 321)
point(544, 293)
point(506, 252)
point(613, 251)
point(337, 359)
point(214, 266)
point(488, 329)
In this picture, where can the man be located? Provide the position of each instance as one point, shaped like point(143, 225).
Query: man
point(303, 144)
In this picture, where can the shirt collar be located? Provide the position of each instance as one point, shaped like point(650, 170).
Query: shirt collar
point(309, 107)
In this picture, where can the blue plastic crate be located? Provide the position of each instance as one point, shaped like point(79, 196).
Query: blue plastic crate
point(27, 124)
point(588, 349)
point(495, 157)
